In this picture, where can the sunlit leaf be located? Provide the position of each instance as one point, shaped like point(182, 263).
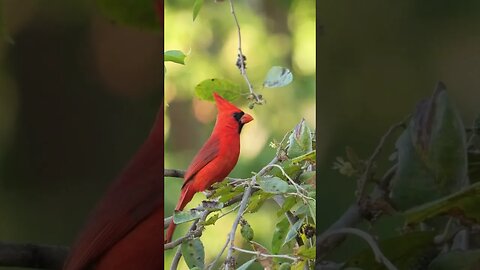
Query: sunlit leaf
point(463, 205)
point(300, 141)
point(211, 220)
point(287, 205)
point(310, 156)
point(228, 90)
point(285, 266)
point(278, 77)
point(279, 234)
point(196, 8)
point(233, 193)
point(458, 260)
point(306, 252)
point(273, 185)
point(246, 231)
point(185, 216)
point(175, 56)
point(409, 251)
point(137, 13)
point(257, 200)
point(300, 265)
point(246, 265)
point(193, 253)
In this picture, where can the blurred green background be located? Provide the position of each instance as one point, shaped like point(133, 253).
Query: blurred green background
point(274, 33)
point(78, 95)
point(376, 60)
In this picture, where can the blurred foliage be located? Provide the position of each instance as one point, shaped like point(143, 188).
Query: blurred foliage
point(274, 33)
point(78, 95)
point(376, 60)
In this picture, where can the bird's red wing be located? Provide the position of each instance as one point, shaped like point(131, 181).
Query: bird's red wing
point(135, 195)
point(205, 155)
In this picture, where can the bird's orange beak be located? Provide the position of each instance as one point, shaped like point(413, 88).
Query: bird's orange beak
point(246, 118)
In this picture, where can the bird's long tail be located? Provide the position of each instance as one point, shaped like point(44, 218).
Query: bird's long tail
point(185, 197)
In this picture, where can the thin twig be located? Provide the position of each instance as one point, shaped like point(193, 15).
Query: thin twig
point(259, 254)
point(242, 62)
point(219, 255)
point(193, 231)
point(351, 217)
point(379, 257)
point(362, 182)
point(231, 237)
point(176, 259)
point(173, 173)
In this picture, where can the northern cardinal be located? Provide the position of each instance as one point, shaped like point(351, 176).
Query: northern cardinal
point(123, 232)
point(216, 158)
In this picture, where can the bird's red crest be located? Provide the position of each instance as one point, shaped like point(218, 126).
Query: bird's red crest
point(223, 105)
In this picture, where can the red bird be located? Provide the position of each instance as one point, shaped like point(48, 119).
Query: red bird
point(123, 232)
point(216, 158)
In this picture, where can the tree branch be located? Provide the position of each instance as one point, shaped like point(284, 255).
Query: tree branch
point(379, 257)
point(241, 59)
point(353, 215)
point(173, 173)
point(32, 255)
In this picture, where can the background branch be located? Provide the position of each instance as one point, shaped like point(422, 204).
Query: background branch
point(32, 255)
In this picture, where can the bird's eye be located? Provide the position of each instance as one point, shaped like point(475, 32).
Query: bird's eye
point(238, 115)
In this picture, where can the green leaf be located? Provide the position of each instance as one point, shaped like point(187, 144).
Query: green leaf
point(300, 265)
point(307, 252)
point(463, 205)
point(257, 201)
point(246, 265)
point(180, 217)
point(292, 233)
point(300, 141)
point(312, 207)
point(291, 169)
point(193, 253)
point(285, 266)
point(136, 13)
point(405, 251)
point(310, 156)
point(279, 234)
point(211, 220)
point(233, 193)
point(175, 56)
point(278, 77)
point(305, 176)
point(432, 159)
point(246, 231)
point(287, 205)
point(228, 90)
point(458, 260)
point(196, 8)
point(273, 185)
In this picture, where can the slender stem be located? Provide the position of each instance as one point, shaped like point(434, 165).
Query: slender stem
point(242, 62)
point(362, 182)
point(258, 253)
point(243, 206)
point(371, 242)
point(176, 259)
